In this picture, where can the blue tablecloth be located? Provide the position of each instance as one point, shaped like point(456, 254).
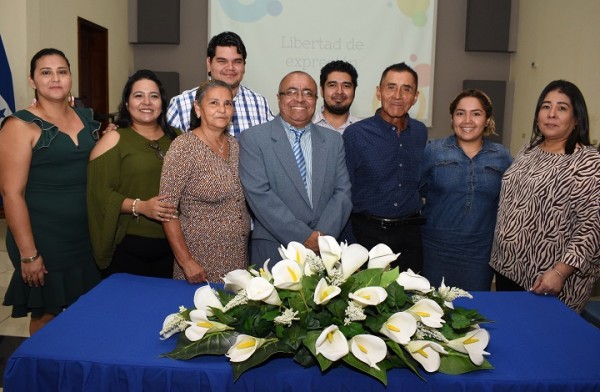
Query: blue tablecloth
point(108, 341)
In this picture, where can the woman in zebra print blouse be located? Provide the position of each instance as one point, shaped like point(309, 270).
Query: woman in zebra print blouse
point(547, 237)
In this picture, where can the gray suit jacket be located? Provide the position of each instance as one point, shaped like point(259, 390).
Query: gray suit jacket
point(276, 194)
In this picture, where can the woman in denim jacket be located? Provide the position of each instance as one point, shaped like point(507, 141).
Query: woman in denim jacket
point(460, 182)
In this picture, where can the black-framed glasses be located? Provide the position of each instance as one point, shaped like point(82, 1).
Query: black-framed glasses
point(293, 92)
point(153, 144)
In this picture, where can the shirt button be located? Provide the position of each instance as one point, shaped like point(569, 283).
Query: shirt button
point(400, 144)
point(400, 185)
point(395, 204)
point(400, 165)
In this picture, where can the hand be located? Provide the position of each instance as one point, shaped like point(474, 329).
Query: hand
point(157, 209)
point(312, 242)
point(548, 283)
point(33, 273)
point(110, 127)
point(194, 272)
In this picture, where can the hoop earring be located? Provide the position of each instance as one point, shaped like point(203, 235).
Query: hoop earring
point(71, 100)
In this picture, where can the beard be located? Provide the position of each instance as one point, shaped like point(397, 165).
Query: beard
point(336, 108)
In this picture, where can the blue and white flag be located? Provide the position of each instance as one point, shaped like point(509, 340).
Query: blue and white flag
point(7, 94)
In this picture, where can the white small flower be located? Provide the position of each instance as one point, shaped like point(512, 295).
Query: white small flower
point(413, 282)
point(241, 298)
point(428, 312)
point(400, 327)
point(244, 347)
point(427, 333)
point(354, 312)
point(287, 274)
point(373, 295)
point(286, 317)
point(205, 299)
point(427, 353)
point(174, 323)
point(473, 343)
point(324, 292)
point(449, 294)
point(259, 289)
point(313, 264)
point(332, 343)
point(380, 256)
point(368, 349)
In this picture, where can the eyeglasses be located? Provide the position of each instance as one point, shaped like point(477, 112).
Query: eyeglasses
point(293, 92)
point(153, 144)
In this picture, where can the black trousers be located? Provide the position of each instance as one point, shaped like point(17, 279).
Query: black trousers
point(505, 284)
point(404, 239)
point(142, 256)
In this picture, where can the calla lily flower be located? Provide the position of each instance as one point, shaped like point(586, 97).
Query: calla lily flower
point(205, 298)
point(373, 295)
point(294, 251)
point(428, 312)
point(237, 280)
point(368, 349)
point(400, 327)
point(380, 256)
point(413, 282)
point(244, 347)
point(353, 257)
point(200, 325)
point(324, 293)
point(259, 289)
point(473, 343)
point(427, 353)
point(332, 343)
point(287, 274)
point(330, 250)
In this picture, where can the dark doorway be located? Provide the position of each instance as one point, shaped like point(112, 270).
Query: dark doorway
point(93, 68)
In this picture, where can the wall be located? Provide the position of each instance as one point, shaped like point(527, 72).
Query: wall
point(35, 24)
point(561, 38)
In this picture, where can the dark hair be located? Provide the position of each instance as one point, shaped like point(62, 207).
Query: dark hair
point(124, 117)
point(338, 66)
point(46, 52)
point(400, 67)
point(195, 121)
point(485, 102)
point(581, 132)
point(226, 38)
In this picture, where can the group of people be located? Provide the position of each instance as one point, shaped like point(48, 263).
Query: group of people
point(176, 189)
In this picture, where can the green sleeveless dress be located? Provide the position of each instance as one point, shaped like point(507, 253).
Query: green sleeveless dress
point(56, 199)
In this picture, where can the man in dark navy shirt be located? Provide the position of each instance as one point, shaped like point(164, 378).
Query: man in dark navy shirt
point(383, 155)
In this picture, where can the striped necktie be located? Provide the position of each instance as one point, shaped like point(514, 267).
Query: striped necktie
point(298, 154)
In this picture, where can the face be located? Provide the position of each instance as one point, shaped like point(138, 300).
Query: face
point(297, 99)
point(469, 120)
point(338, 92)
point(227, 65)
point(144, 104)
point(556, 119)
point(216, 108)
point(51, 78)
point(397, 93)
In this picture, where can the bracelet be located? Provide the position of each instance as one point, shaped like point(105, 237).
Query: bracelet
point(31, 259)
point(559, 273)
point(133, 210)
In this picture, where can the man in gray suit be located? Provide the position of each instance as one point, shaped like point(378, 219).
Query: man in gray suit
point(294, 174)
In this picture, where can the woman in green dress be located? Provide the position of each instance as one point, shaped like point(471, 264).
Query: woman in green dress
point(44, 151)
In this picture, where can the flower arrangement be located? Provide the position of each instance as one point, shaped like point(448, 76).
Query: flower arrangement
point(322, 310)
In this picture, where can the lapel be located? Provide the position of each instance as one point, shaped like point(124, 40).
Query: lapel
point(283, 151)
point(319, 163)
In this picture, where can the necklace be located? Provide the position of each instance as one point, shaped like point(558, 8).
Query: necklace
point(219, 146)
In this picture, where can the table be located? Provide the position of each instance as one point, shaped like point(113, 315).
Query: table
point(108, 341)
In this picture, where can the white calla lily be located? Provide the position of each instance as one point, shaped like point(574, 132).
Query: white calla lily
point(380, 256)
point(332, 343)
point(324, 292)
point(200, 325)
point(244, 347)
point(373, 295)
point(330, 250)
point(427, 353)
point(413, 282)
point(287, 274)
point(205, 298)
point(400, 327)
point(353, 257)
point(237, 280)
point(368, 349)
point(473, 343)
point(259, 289)
point(428, 312)
point(294, 251)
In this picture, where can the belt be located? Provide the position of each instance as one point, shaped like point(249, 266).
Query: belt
point(386, 223)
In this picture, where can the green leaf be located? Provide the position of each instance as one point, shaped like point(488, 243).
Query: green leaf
point(367, 278)
point(223, 318)
point(352, 330)
point(337, 307)
point(459, 363)
point(397, 297)
point(216, 343)
point(409, 361)
point(354, 362)
point(389, 276)
point(304, 357)
point(264, 352)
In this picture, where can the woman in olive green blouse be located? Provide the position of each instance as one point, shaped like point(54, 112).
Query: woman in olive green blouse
point(125, 212)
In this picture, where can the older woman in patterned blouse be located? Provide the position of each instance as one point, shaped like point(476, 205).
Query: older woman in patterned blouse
point(547, 237)
point(200, 176)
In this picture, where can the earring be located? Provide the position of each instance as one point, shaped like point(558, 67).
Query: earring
point(197, 114)
point(71, 100)
point(34, 102)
